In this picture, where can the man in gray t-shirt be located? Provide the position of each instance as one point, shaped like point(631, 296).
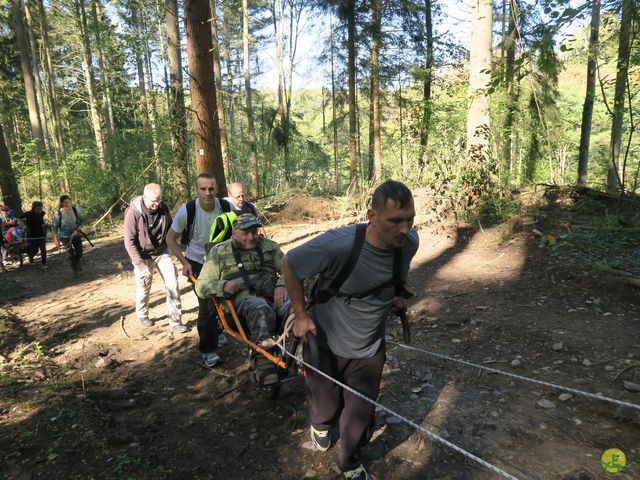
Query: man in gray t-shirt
point(350, 324)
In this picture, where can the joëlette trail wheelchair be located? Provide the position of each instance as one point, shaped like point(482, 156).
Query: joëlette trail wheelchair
point(284, 365)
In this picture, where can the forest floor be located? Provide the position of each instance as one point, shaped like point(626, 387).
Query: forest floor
point(85, 392)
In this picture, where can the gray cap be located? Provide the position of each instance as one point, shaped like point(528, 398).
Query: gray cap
point(246, 220)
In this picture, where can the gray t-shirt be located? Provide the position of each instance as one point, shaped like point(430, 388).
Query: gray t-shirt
point(350, 327)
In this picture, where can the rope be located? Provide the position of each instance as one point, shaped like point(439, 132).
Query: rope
point(596, 396)
point(430, 434)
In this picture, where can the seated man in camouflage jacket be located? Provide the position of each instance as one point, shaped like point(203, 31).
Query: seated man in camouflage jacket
point(249, 267)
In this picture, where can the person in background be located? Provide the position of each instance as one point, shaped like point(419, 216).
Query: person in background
point(146, 223)
point(241, 206)
point(67, 230)
point(34, 219)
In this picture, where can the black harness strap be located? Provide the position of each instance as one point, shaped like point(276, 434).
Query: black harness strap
point(243, 271)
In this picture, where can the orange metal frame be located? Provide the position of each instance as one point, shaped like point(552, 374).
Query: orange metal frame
point(240, 334)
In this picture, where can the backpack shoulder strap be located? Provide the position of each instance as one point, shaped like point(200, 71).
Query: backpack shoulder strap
point(323, 296)
point(187, 233)
point(75, 213)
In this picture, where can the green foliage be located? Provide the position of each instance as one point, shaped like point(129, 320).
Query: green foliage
point(494, 209)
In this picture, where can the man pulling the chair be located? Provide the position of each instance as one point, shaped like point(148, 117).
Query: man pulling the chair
point(248, 267)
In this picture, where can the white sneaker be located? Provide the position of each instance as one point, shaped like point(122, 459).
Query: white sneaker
point(210, 359)
point(223, 340)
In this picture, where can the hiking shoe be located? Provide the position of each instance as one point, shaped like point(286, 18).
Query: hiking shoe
point(179, 328)
point(266, 373)
point(320, 439)
point(210, 359)
point(145, 322)
point(223, 340)
point(356, 474)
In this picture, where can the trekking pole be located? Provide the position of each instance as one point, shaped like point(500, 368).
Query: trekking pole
point(86, 237)
point(406, 329)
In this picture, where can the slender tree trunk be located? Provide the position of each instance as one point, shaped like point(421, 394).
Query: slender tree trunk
point(51, 82)
point(371, 141)
point(351, 52)
point(333, 113)
point(162, 35)
point(152, 107)
point(478, 118)
point(8, 184)
point(253, 155)
point(376, 43)
point(176, 103)
point(587, 108)
point(40, 97)
point(614, 183)
point(217, 71)
point(105, 83)
point(90, 81)
point(402, 164)
point(426, 87)
point(27, 71)
point(203, 92)
point(511, 86)
point(226, 38)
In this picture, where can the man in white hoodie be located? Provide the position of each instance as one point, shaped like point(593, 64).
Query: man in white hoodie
point(146, 223)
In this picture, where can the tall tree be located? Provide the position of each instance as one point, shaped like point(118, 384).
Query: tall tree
point(426, 85)
point(478, 118)
point(349, 14)
point(89, 78)
point(587, 108)
point(334, 120)
point(203, 92)
point(217, 71)
point(8, 184)
point(96, 10)
point(512, 101)
point(376, 42)
point(614, 183)
point(27, 70)
point(177, 111)
point(251, 134)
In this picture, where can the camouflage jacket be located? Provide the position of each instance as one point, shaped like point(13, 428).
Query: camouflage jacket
point(220, 266)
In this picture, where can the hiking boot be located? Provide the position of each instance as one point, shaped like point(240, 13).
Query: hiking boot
point(210, 359)
point(266, 372)
point(145, 322)
point(223, 340)
point(320, 439)
point(356, 474)
point(179, 328)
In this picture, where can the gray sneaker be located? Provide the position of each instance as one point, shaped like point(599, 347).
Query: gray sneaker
point(179, 328)
point(223, 340)
point(145, 322)
point(210, 359)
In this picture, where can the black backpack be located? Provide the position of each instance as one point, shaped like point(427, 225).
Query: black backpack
point(187, 233)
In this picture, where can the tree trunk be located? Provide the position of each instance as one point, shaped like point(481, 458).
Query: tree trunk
point(351, 67)
point(51, 82)
point(253, 155)
point(511, 90)
point(426, 88)
point(614, 183)
point(217, 71)
point(152, 108)
point(402, 164)
point(376, 43)
point(40, 98)
point(27, 71)
point(96, 9)
point(478, 118)
point(587, 108)
point(90, 81)
point(333, 119)
point(203, 92)
point(176, 103)
point(226, 38)
point(8, 184)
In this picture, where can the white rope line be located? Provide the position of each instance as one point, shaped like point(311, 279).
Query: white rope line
point(430, 434)
point(596, 396)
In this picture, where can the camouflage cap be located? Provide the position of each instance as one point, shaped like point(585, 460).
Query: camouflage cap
point(246, 220)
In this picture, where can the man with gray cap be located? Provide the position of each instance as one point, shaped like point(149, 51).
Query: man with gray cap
point(248, 266)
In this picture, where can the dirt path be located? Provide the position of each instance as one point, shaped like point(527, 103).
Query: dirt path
point(87, 393)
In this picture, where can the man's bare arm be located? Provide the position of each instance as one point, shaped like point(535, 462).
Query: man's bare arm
point(174, 248)
point(295, 288)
